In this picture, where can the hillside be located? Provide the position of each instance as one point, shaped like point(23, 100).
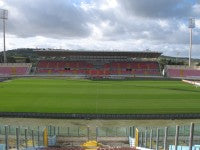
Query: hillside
point(28, 55)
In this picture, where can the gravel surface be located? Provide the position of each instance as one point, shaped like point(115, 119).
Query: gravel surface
point(94, 123)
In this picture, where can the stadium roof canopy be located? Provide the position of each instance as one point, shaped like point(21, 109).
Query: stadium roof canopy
point(67, 53)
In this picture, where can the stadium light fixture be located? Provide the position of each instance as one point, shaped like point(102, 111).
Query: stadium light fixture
point(4, 17)
point(191, 25)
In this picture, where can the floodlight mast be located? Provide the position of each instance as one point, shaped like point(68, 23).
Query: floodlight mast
point(4, 17)
point(191, 26)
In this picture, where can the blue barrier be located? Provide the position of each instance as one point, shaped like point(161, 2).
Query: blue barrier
point(2, 146)
point(52, 141)
point(195, 147)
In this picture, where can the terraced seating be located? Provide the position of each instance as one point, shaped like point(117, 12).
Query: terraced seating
point(7, 69)
point(86, 68)
point(182, 71)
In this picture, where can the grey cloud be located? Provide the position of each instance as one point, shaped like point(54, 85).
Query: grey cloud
point(65, 19)
point(144, 17)
point(158, 8)
point(57, 19)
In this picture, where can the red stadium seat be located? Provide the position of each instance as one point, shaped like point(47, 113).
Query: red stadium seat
point(14, 69)
point(113, 68)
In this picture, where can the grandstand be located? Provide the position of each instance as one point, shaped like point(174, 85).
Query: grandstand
point(8, 69)
point(98, 63)
point(177, 71)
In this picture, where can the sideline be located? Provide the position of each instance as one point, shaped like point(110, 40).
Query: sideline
point(195, 83)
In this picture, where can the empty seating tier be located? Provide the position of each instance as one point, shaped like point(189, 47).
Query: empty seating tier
point(148, 68)
point(182, 71)
point(7, 69)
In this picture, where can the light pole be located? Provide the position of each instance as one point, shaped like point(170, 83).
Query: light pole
point(4, 17)
point(191, 26)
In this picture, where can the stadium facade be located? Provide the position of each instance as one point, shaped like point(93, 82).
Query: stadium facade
point(98, 64)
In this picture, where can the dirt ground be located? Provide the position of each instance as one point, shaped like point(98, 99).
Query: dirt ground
point(111, 141)
point(94, 123)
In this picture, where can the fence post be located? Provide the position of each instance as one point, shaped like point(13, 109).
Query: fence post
point(145, 139)
point(58, 131)
point(106, 132)
point(126, 131)
point(38, 135)
point(130, 131)
point(88, 132)
point(32, 134)
point(137, 137)
point(19, 130)
point(50, 130)
point(45, 137)
point(54, 130)
point(133, 131)
point(150, 142)
point(176, 137)
point(116, 132)
point(68, 129)
point(157, 139)
point(191, 136)
point(78, 132)
point(141, 139)
point(17, 138)
point(165, 138)
point(6, 137)
point(26, 140)
point(9, 130)
point(97, 133)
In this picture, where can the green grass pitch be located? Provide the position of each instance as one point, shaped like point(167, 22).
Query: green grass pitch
point(87, 96)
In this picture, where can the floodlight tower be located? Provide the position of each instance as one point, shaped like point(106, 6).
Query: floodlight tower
point(4, 17)
point(191, 26)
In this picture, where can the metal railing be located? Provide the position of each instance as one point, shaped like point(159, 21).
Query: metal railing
point(22, 137)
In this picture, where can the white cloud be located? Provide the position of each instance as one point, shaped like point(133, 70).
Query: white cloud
point(108, 4)
point(1, 3)
point(196, 9)
point(102, 24)
point(163, 24)
point(197, 23)
point(96, 32)
point(183, 27)
point(87, 6)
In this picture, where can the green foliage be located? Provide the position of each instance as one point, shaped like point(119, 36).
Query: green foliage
point(86, 96)
point(27, 53)
point(166, 61)
point(27, 60)
point(11, 59)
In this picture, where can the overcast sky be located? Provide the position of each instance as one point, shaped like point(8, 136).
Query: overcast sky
point(131, 25)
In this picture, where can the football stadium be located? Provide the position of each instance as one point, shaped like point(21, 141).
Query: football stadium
point(102, 89)
point(98, 85)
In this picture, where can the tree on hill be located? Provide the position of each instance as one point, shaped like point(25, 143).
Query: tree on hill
point(27, 54)
point(164, 61)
